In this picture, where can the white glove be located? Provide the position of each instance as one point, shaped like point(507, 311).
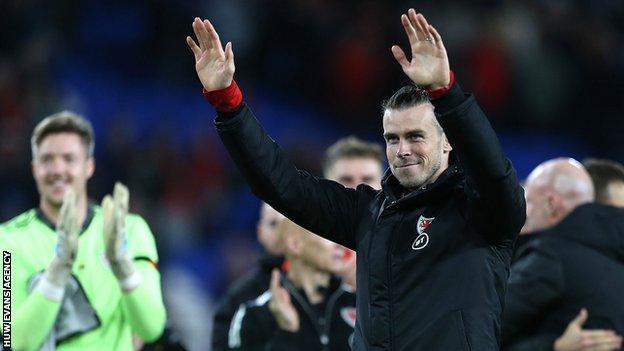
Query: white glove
point(115, 210)
point(58, 272)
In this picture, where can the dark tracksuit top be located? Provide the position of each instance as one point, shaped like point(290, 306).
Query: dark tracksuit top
point(439, 285)
point(246, 288)
point(327, 326)
point(577, 263)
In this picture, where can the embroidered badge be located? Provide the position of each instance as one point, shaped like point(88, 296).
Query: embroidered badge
point(423, 224)
point(348, 314)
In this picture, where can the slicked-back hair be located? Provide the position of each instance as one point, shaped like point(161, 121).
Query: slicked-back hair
point(408, 96)
point(63, 122)
point(352, 147)
point(603, 173)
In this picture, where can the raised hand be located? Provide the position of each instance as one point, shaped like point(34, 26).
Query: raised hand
point(58, 272)
point(577, 339)
point(114, 211)
point(67, 229)
point(280, 305)
point(214, 66)
point(429, 66)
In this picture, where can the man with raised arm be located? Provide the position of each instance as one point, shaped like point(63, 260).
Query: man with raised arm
point(434, 244)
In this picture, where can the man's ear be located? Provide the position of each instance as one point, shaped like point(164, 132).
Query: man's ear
point(446, 146)
point(90, 167)
point(294, 244)
point(555, 206)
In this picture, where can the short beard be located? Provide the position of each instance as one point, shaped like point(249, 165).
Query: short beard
point(415, 183)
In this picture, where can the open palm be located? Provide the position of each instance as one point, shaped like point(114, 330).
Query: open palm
point(214, 66)
point(429, 66)
point(280, 305)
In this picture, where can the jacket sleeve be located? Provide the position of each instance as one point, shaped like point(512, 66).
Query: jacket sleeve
point(536, 281)
point(496, 196)
point(33, 320)
point(221, 323)
point(33, 314)
point(319, 205)
point(226, 309)
point(144, 307)
point(251, 328)
point(533, 343)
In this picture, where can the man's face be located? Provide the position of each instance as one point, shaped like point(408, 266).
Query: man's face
point(61, 162)
point(616, 194)
point(267, 230)
point(416, 149)
point(321, 253)
point(353, 171)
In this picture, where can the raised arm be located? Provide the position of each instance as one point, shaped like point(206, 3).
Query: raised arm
point(322, 206)
point(536, 282)
point(492, 180)
point(35, 314)
point(131, 252)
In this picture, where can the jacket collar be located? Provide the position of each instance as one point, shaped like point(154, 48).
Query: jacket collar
point(600, 227)
point(269, 261)
point(45, 220)
point(446, 183)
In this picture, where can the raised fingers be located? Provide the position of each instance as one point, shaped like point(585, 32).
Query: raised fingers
point(229, 53)
point(68, 213)
point(418, 21)
point(409, 29)
point(399, 55)
point(275, 285)
point(213, 36)
point(121, 196)
point(598, 338)
point(437, 39)
point(196, 50)
point(201, 33)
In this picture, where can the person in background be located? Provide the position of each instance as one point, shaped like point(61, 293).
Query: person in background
point(571, 274)
point(255, 282)
point(307, 307)
point(351, 161)
point(84, 276)
point(608, 178)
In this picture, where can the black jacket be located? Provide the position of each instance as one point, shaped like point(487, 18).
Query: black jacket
point(324, 327)
point(441, 289)
point(577, 263)
point(242, 290)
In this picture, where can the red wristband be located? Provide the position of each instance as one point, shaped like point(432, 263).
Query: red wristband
point(225, 100)
point(436, 93)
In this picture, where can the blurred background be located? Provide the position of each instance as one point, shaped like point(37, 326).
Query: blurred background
point(549, 74)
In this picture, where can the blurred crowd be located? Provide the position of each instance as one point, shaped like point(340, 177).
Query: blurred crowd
point(548, 73)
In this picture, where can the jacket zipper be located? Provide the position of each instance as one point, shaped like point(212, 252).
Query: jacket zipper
point(308, 311)
point(328, 309)
point(389, 272)
point(391, 243)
